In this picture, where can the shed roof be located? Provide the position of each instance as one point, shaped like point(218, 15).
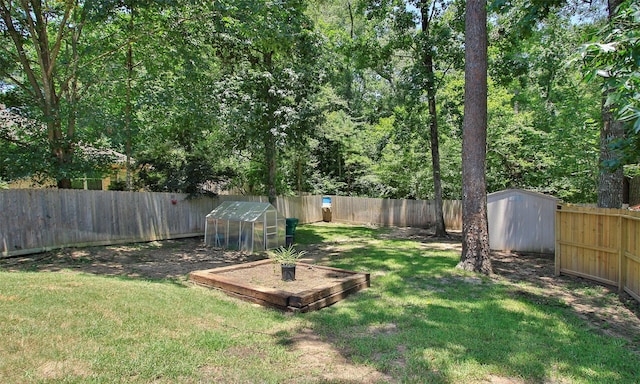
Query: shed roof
point(240, 210)
point(508, 192)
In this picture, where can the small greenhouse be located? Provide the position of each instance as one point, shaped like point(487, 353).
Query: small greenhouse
point(245, 226)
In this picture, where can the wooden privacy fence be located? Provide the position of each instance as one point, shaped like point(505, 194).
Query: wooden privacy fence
point(37, 220)
point(307, 209)
point(40, 219)
point(392, 212)
point(601, 245)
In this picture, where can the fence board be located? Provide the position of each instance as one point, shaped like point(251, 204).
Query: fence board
point(599, 244)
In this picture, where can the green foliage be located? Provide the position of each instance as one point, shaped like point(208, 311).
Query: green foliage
point(543, 132)
point(43, 61)
point(321, 97)
point(286, 255)
point(270, 81)
point(614, 62)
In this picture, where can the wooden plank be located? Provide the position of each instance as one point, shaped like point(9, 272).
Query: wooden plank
point(36, 220)
point(327, 293)
point(275, 296)
point(633, 294)
point(622, 264)
point(304, 298)
point(589, 247)
point(237, 266)
point(254, 300)
point(590, 277)
point(558, 248)
point(327, 301)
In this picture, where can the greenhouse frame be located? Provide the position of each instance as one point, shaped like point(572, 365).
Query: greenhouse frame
point(245, 226)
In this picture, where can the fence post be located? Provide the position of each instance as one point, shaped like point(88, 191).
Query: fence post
point(558, 236)
point(622, 262)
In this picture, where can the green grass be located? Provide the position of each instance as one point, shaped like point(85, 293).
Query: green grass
point(422, 321)
point(58, 327)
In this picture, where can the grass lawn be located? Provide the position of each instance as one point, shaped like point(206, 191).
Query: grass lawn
point(422, 321)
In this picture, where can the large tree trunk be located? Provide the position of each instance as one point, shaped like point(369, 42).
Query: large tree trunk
point(611, 182)
point(475, 232)
point(427, 61)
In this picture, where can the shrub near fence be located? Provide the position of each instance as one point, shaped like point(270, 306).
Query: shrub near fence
point(601, 245)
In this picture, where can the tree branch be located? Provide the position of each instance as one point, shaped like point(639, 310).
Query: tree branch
point(20, 84)
point(5, 12)
point(58, 43)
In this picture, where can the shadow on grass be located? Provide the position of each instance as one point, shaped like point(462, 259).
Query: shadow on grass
point(423, 318)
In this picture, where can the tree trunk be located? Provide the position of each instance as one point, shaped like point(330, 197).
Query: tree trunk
point(270, 145)
point(299, 172)
point(128, 107)
point(441, 230)
point(427, 61)
point(611, 182)
point(475, 232)
point(272, 167)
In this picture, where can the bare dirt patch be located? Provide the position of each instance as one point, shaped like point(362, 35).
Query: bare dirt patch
point(269, 276)
point(319, 355)
point(169, 259)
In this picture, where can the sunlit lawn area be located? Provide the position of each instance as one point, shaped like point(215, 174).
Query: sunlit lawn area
point(422, 321)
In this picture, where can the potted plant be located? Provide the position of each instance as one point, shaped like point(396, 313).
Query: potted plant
point(287, 258)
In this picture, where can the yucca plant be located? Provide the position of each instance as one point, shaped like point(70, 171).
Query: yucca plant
point(286, 255)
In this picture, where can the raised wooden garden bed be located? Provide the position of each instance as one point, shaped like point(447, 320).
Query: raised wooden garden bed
point(260, 282)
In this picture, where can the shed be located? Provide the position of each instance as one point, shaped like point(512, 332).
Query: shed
point(245, 226)
point(521, 221)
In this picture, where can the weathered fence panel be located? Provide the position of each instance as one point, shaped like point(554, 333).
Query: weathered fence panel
point(306, 208)
point(36, 220)
point(600, 245)
point(40, 219)
point(391, 212)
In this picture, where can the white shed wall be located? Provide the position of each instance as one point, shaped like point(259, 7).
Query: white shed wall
point(521, 221)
